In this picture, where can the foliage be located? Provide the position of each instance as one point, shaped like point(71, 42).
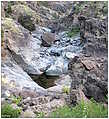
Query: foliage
point(78, 8)
point(16, 100)
point(40, 115)
point(24, 9)
point(74, 31)
point(105, 8)
point(8, 112)
point(2, 33)
point(8, 10)
point(66, 89)
point(91, 109)
point(55, 16)
point(26, 22)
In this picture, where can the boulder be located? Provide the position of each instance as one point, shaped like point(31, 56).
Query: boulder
point(91, 79)
point(28, 114)
point(16, 79)
point(90, 72)
point(24, 48)
point(48, 39)
point(70, 55)
point(21, 9)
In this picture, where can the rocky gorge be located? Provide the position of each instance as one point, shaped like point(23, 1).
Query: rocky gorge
point(53, 54)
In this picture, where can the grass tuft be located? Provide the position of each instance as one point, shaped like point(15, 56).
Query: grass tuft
point(82, 110)
point(7, 111)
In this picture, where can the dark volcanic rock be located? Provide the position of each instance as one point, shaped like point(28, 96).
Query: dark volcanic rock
point(90, 77)
point(90, 72)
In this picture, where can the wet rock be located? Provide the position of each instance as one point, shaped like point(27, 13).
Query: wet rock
point(70, 55)
point(25, 52)
point(54, 51)
point(59, 67)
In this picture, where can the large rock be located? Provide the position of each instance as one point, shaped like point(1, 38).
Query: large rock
point(90, 73)
point(94, 32)
point(13, 77)
point(21, 9)
point(24, 48)
point(28, 114)
point(91, 78)
point(48, 39)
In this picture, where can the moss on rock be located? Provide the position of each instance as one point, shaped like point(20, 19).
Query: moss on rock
point(26, 22)
point(24, 10)
point(9, 24)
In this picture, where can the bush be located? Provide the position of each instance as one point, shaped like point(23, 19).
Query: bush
point(16, 100)
point(66, 89)
point(9, 9)
point(89, 110)
point(74, 31)
point(26, 22)
point(2, 33)
point(8, 112)
point(40, 115)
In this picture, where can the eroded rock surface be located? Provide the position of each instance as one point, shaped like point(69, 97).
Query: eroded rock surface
point(89, 71)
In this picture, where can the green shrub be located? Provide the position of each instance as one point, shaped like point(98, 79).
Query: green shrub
point(40, 115)
point(89, 110)
point(2, 33)
point(16, 100)
point(66, 89)
point(8, 10)
point(7, 111)
point(74, 31)
point(27, 22)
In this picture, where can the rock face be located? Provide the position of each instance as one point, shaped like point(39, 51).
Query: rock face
point(89, 71)
point(37, 41)
point(14, 75)
point(19, 10)
point(92, 80)
point(24, 48)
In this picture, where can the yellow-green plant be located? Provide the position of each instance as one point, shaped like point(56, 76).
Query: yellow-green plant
point(16, 100)
point(66, 89)
point(7, 111)
point(40, 115)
